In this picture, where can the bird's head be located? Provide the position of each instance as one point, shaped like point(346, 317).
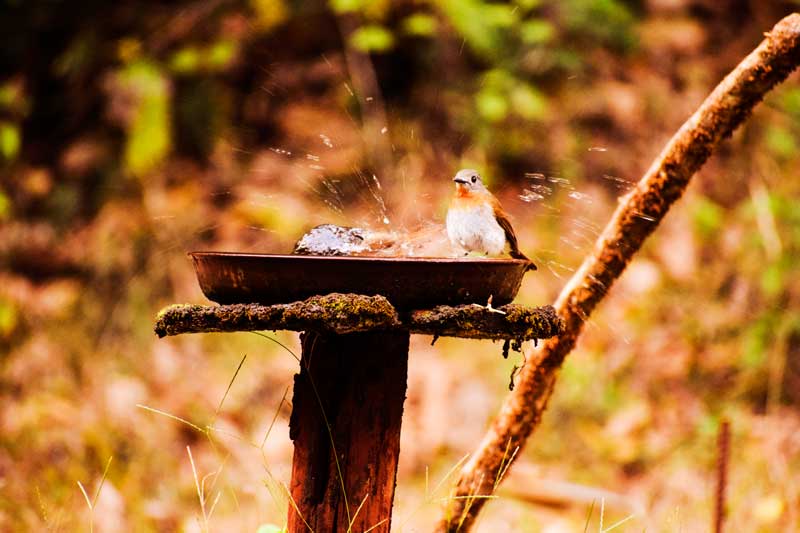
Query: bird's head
point(468, 180)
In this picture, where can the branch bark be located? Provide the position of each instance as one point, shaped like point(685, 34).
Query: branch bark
point(637, 216)
point(342, 314)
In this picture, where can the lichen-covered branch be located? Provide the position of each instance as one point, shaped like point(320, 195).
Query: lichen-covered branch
point(351, 313)
point(638, 214)
point(331, 313)
point(477, 322)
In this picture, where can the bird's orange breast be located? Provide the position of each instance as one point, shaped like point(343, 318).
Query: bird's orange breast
point(466, 199)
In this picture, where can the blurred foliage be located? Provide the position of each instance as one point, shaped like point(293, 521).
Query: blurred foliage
point(132, 133)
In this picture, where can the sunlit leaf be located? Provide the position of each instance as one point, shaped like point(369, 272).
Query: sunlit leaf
point(606, 20)
point(221, 54)
point(500, 15)
point(268, 13)
point(755, 345)
point(186, 60)
point(469, 19)
point(537, 32)
point(780, 141)
point(528, 103)
point(9, 140)
point(5, 207)
point(148, 139)
point(420, 24)
point(491, 105)
point(372, 38)
point(772, 279)
point(527, 5)
point(347, 6)
point(707, 217)
point(498, 79)
point(8, 317)
point(791, 101)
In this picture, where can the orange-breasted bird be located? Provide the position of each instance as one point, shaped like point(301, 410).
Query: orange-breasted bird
point(475, 220)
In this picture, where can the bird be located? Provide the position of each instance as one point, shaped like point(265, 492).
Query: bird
point(476, 222)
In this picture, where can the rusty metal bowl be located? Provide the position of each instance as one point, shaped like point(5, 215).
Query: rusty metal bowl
point(407, 282)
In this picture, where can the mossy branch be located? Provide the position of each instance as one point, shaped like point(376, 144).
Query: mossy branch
point(352, 313)
point(637, 216)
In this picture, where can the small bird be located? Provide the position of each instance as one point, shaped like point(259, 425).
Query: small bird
point(476, 222)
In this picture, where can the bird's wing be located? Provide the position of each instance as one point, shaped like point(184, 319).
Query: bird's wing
point(511, 237)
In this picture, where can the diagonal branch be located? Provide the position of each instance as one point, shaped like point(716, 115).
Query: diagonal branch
point(638, 214)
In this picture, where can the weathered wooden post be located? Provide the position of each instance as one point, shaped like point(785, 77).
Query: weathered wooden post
point(348, 396)
point(346, 415)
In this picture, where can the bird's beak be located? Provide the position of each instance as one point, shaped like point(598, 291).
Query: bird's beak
point(460, 180)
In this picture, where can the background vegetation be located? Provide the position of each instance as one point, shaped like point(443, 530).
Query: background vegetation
point(133, 132)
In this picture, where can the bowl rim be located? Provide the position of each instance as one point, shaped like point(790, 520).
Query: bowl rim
point(371, 259)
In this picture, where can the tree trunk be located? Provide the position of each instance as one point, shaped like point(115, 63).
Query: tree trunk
point(347, 405)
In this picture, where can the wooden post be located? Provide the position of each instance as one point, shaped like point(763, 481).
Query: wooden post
point(355, 384)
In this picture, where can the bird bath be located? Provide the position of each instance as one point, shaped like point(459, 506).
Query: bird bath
point(356, 315)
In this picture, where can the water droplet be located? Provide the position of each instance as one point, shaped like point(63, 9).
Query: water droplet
point(530, 196)
point(384, 130)
point(535, 175)
point(558, 181)
point(575, 195)
point(386, 220)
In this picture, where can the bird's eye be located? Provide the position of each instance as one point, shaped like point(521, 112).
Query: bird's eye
point(474, 179)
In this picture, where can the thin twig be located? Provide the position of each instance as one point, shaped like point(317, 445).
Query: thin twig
point(637, 216)
point(723, 452)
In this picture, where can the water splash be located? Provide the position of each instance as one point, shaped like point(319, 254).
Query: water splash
point(530, 196)
point(582, 196)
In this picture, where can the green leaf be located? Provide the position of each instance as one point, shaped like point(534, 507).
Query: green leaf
point(491, 104)
point(527, 5)
point(221, 54)
point(707, 217)
point(269, 13)
point(148, 139)
point(372, 38)
point(9, 140)
point(5, 207)
point(772, 282)
point(537, 32)
point(186, 60)
point(791, 101)
point(528, 103)
point(346, 6)
point(420, 24)
point(469, 18)
point(500, 15)
point(8, 317)
point(780, 141)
